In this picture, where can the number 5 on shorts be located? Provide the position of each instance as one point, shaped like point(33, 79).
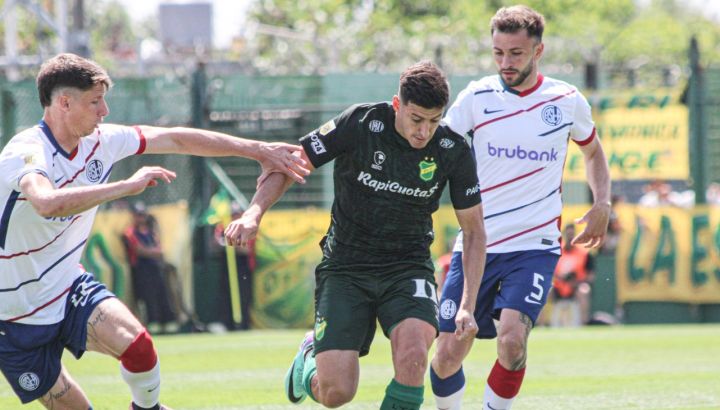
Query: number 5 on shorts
point(536, 297)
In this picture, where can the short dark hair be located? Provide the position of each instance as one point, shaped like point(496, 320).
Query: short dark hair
point(516, 18)
point(69, 70)
point(424, 84)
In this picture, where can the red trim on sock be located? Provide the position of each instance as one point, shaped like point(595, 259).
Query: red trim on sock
point(505, 383)
point(140, 356)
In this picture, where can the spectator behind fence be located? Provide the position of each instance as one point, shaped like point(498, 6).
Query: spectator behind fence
point(574, 275)
point(660, 193)
point(146, 260)
point(245, 264)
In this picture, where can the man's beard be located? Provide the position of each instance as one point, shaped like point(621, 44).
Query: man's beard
point(521, 75)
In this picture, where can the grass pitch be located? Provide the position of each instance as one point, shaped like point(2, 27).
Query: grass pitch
point(624, 367)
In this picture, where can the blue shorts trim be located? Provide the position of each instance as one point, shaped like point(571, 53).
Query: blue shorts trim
point(515, 280)
point(30, 355)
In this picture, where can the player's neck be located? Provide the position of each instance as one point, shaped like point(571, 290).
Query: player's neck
point(61, 132)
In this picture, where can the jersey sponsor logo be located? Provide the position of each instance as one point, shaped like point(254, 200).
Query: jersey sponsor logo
point(394, 187)
point(94, 170)
point(60, 218)
point(317, 145)
point(448, 309)
point(327, 127)
point(486, 111)
point(427, 169)
point(447, 143)
point(551, 115)
point(472, 191)
point(378, 159)
point(29, 381)
point(521, 153)
point(376, 126)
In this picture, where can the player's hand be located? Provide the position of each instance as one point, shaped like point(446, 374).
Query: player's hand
point(148, 176)
point(242, 230)
point(285, 158)
point(597, 219)
point(465, 325)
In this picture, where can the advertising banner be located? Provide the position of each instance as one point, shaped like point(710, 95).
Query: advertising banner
point(644, 137)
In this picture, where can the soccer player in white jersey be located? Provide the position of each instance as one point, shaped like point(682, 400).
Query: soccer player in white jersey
point(52, 178)
point(520, 124)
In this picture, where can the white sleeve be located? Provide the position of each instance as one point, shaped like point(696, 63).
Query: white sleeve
point(22, 158)
point(122, 141)
point(583, 128)
point(459, 116)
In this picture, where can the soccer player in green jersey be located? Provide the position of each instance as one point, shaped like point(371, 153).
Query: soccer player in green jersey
point(392, 162)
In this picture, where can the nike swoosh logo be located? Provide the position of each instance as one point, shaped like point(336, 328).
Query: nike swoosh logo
point(528, 300)
point(154, 388)
point(291, 392)
point(491, 407)
point(486, 111)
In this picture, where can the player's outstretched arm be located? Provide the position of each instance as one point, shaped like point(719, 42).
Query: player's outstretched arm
point(272, 156)
point(51, 202)
point(598, 175)
point(473, 258)
point(271, 187)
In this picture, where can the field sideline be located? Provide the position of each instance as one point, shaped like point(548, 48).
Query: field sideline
point(624, 367)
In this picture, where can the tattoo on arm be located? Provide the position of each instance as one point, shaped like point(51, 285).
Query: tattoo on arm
point(520, 362)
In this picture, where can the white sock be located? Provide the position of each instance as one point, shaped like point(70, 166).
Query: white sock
point(451, 402)
point(145, 386)
point(492, 401)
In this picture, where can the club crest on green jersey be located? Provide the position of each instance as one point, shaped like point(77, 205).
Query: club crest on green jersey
point(320, 328)
point(427, 169)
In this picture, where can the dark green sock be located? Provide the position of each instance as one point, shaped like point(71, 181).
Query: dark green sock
point(401, 397)
point(308, 372)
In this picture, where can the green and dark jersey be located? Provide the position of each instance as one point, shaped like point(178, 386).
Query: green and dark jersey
point(386, 190)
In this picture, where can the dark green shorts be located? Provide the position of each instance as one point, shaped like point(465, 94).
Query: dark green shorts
point(350, 300)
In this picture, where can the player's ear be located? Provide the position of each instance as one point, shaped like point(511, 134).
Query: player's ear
point(63, 101)
point(539, 50)
point(396, 103)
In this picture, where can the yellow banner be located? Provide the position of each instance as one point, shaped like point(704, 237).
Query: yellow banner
point(643, 138)
point(664, 254)
point(288, 251)
point(669, 254)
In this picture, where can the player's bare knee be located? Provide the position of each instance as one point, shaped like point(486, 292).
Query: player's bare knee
point(336, 395)
point(447, 361)
point(511, 347)
point(413, 359)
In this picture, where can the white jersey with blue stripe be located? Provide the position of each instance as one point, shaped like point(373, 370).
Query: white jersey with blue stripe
point(520, 142)
point(40, 257)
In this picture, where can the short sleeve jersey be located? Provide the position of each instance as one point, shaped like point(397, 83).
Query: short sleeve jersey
point(386, 190)
point(39, 257)
point(520, 142)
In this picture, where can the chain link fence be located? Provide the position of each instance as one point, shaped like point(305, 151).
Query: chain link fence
point(270, 108)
